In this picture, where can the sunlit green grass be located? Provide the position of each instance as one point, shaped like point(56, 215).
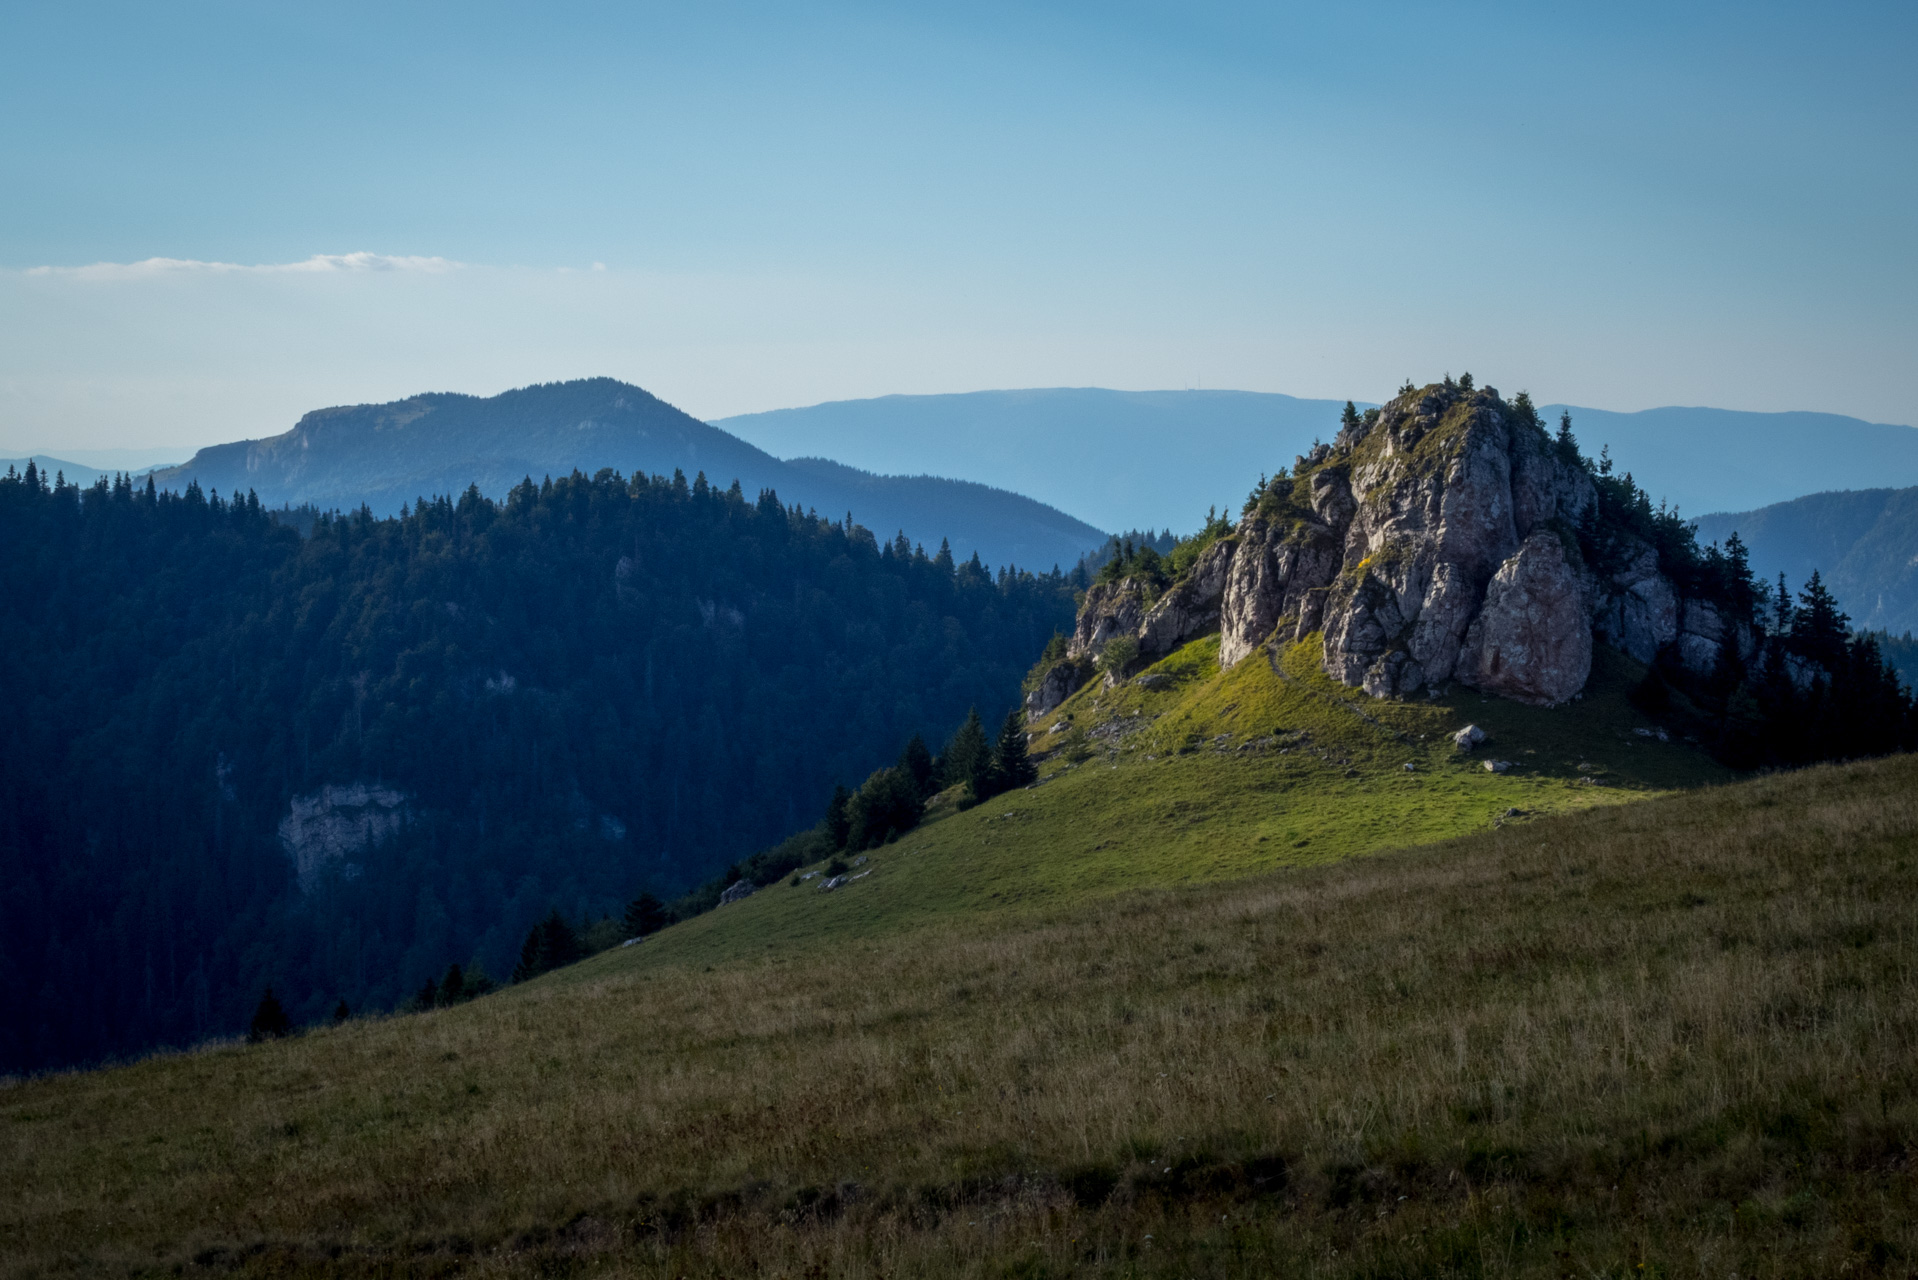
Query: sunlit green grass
point(1174, 804)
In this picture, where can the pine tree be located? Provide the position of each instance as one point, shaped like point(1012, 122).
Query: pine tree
point(1011, 766)
point(269, 1020)
point(558, 943)
point(1818, 628)
point(341, 1013)
point(1567, 442)
point(916, 763)
point(1743, 591)
point(1349, 420)
point(968, 757)
point(531, 957)
point(837, 824)
point(645, 915)
point(452, 986)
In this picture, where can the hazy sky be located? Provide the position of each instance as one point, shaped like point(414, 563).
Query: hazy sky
point(219, 216)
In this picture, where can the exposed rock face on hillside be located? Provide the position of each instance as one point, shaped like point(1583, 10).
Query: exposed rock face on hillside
point(1435, 540)
point(333, 823)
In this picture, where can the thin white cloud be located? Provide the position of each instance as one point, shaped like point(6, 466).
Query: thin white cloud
point(318, 264)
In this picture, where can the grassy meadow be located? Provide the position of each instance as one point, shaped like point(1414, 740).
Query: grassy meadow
point(1670, 1038)
point(1189, 775)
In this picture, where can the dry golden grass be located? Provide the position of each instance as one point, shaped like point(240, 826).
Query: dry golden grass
point(1670, 1038)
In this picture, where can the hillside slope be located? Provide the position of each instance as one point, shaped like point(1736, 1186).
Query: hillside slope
point(1864, 542)
point(1659, 1038)
point(390, 454)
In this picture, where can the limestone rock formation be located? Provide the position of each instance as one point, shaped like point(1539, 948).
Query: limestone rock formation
point(336, 822)
point(1435, 540)
point(1190, 608)
point(1060, 681)
point(1110, 609)
point(1531, 640)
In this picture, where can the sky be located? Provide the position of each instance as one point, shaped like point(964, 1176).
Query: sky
point(217, 217)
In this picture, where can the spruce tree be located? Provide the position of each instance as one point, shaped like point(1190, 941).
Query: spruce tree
point(559, 945)
point(452, 986)
point(968, 757)
point(916, 763)
point(1818, 628)
point(1011, 766)
point(836, 823)
point(645, 915)
point(341, 1013)
point(531, 957)
point(269, 1020)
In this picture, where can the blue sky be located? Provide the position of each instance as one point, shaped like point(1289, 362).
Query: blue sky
point(744, 207)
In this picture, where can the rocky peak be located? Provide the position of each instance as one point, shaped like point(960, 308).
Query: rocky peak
point(1434, 540)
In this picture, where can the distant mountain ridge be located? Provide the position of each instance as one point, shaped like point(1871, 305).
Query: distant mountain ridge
point(386, 455)
point(1863, 542)
point(1125, 459)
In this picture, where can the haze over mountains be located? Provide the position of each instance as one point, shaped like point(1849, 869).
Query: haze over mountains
point(1124, 459)
point(391, 454)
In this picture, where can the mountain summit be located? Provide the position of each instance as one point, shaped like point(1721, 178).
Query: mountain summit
point(1446, 537)
point(386, 455)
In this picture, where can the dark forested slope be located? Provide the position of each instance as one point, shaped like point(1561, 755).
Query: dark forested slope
point(386, 455)
point(1864, 541)
point(233, 756)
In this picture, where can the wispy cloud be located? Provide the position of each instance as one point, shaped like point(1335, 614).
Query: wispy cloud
point(318, 264)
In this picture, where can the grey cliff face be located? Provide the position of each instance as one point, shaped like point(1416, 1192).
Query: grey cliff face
point(1454, 482)
point(1433, 541)
point(338, 822)
point(1532, 639)
point(1190, 608)
point(1274, 574)
point(1110, 609)
point(1060, 681)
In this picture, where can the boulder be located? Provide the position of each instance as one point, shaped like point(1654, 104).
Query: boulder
point(736, 890)
point(1531, 641)
point(1468, 737)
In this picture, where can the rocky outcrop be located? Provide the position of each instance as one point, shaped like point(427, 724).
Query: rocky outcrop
point(335, 823)
point(1638, 609)
point(737, 890)
point(1434, 540)
point(1110, 609)
point(1278, 572)
point(1453, 482)
point(1060, 681)
point(1190, 608)
point(1532, 638)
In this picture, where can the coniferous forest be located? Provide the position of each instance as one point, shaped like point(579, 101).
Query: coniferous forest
point(596, 687)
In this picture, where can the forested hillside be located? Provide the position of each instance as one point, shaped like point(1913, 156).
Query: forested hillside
point(1864, 542)
point(233, 756)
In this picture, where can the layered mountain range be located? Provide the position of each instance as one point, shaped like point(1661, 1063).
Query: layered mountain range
point(385, 456)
